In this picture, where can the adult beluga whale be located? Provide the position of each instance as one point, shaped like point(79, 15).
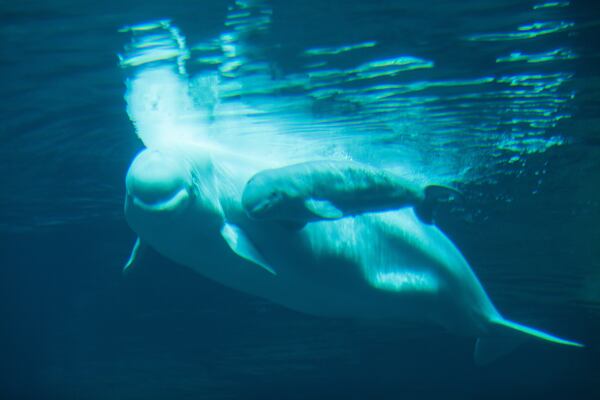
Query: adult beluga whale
point(185, 202)
point(371, 260)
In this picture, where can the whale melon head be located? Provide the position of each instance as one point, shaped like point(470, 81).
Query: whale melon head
point(158, 182)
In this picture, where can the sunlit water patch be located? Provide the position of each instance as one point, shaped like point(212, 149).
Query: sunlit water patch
point(463, 105)
point(392, 111)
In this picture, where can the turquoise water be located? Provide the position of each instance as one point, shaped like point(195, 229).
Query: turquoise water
point(497, 98)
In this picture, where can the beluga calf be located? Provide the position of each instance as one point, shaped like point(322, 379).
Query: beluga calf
point(333, 189)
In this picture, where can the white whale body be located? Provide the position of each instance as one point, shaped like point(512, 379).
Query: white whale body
point(186, 203)
point(185, 199)
point(332, 189)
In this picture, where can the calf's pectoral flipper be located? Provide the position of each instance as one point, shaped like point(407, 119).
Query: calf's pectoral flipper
point(323, 209)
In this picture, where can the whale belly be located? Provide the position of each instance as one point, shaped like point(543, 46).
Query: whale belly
point(379, 265)
point(382, 265)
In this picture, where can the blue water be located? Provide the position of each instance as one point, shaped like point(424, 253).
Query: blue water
point(498, 98)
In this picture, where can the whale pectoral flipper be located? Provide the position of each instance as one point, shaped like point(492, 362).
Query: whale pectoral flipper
point(134, 258)
point(323, 209)
point(243, 247)
point(506, 335)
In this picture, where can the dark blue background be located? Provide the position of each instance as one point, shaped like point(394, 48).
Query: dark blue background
point(73, 328)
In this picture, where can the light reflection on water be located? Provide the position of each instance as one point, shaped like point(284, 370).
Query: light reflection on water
point(481, 107)
point(496, 120)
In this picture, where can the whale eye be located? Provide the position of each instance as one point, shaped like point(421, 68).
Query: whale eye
point(275, 197)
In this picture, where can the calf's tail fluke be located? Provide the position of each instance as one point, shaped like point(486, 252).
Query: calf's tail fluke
point(433, 196)
point(506, 335)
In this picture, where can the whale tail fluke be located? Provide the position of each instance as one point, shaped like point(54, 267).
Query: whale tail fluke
point(506, 336)
point(434, 196)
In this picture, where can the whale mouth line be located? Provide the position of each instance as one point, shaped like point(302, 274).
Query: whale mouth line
point(181, 197)
point(261, 209)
